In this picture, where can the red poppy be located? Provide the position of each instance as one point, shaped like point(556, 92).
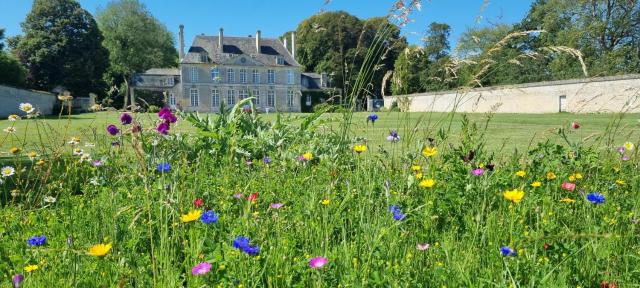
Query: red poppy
point(198, 202)
point(607, 284)
point(252, 197)
point(568, 186)
point(546, 246)
point(575, 125)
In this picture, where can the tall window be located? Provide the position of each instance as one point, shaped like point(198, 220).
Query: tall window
point(231, 75)
point(215, 74)
point(193, 74)
point(271, 98)
point(256, 76)
point(243, 76)
point(290, 98)
point(231, 97)
point(243, 94)
point(215, 98)
point(271, 76)
point(290, 77)
point(195, 97)
point(169, 81)
point(172, 99)
point(256, 94)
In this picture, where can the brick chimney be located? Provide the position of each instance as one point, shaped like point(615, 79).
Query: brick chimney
point(181, 36)
point(221, 41)
point(293, 45)
point(258, 34)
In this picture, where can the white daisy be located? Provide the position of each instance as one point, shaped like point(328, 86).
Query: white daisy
point(85, 157)
point(78, 152)
point(7, 171)
point(13, 117)
point(74, 141)
point(10, 130)
point(27, 107)
point(50, 199)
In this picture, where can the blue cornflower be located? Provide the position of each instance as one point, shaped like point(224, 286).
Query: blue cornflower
point(372, 117)
point(398, 216)
point(394, 208)
point(209, 217)
point(242, 243)
point(37, 240)
point(507, 251)
point(266, 159)
point(163, 167)
point(397, 213)
point(595, 198)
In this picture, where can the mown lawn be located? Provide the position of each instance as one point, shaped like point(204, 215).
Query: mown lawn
point(505, 132)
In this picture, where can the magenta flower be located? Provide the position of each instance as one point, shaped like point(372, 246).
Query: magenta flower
point(575, 125)
point(422, 246)
point(477, 171)
point(125, 119)
point(625, 158)
point(163, 128)
point(318, 262)
point(621, 149)
point(97, 163)
point(276, 205)
point(113, 130)
point(201, 269)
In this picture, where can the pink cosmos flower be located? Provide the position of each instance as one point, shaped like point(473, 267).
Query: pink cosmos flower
point(568, 186)
point(201, 269)
point(422, 246)
point(625, 158)
point(276, 205)
point(318, 262)
point(477, 171)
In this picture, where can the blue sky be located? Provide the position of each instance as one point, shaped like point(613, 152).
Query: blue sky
point(274, 17)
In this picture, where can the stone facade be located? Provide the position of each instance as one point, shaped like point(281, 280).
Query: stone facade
point(224, 70)
point(12, 97)
point(593, 95)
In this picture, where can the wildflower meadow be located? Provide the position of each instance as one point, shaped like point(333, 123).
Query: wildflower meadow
point(246, 202)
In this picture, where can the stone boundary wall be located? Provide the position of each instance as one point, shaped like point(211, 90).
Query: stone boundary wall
point(592, 95)
point(11, 97)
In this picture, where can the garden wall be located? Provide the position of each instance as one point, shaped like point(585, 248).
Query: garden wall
point(593, 95)
point(10, 98)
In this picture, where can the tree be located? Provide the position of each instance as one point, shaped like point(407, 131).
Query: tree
point(338, 43)
point(406, 75)
point(136, 41)
point(436, 43)
point(62, 45)
point(11, 71)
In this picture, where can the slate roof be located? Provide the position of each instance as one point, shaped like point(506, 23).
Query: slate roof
point(269, 49)
point(163, 71)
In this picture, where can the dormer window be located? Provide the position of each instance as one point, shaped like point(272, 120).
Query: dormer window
point(169, 81)
point(279, 60)
point(203, 57)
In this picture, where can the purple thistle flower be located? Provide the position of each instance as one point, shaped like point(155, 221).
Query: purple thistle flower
point(507, 251)
point(201, 269)
point(113, 130)
point(595, 198)
point(17, 280)
point(115, 143)
point(37, 241)
point(165, 114)
point(125, 119)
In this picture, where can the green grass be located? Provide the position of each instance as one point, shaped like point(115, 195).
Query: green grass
point(506, 132)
